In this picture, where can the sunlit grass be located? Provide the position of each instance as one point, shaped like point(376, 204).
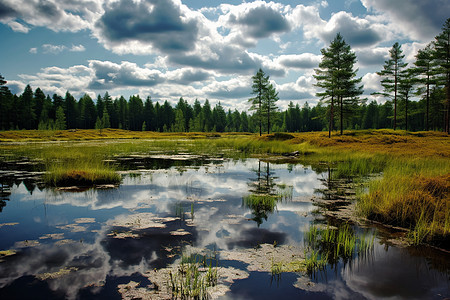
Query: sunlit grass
point(413, 194)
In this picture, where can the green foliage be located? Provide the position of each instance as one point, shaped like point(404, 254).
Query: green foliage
point(336, 77)
point(60, 123)
point(392, 74)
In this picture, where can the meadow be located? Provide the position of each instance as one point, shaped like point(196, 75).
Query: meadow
point(410, 191)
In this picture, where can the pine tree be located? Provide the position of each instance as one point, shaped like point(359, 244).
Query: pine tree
point(391, 74)
point(106, 123)
point(179, 121)
point(259, 87)
point(336, 76)
point(424, 75)
point(149, 114)
point(60, 123)
point(27, 116)
point(269, 107)
point(405, 89)
point(39, 99)
point(442, 59)
point(6, 105)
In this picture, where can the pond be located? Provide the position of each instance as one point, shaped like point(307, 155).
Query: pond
point(241, 216)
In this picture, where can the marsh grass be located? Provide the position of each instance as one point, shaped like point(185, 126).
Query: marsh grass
point(329, 245)
point(77, 165)
point(412, 192)
point(192, 278)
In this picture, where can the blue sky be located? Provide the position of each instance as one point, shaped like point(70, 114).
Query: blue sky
point(194, 49)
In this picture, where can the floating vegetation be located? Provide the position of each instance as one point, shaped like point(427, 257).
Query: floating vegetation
point(6, 253)
point(58, 274)
point(8, 224)
point(192, 276)
point(329, 245)
point(269, 258)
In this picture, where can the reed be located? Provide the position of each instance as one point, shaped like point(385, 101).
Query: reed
point(329, 245)
point(190, 280)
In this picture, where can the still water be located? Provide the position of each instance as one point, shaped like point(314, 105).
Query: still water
point(84, 244)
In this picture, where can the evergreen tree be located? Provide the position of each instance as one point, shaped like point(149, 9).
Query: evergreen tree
point(39, 99)
point(244, 122)
point(149, 114)
point(122, 108)
point(113, 114)
point(424, 75)
point(27, 116)
point(442, 60)
point(179, 121)
point(259, 87)
point(7, 115)
point(60, 122)
point(106, 123)
point(71, 111)
point(269, 107)
point(135, 113)
point(207, 115)
point(405, 89)
point(100, 106)
point(236, 121)
point(336, 76)
point(391, 74)
point(57, 101)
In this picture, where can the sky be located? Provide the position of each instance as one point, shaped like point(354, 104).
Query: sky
point(167, 49)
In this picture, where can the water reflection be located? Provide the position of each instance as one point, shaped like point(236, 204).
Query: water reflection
point(82, 243)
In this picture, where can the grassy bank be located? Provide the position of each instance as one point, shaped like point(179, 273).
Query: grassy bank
point(413, 191)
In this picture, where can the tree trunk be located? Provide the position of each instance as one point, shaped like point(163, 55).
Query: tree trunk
point(330, 127)
point(342, 114)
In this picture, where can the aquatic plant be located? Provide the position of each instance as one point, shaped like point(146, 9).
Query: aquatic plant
point(193, 277)
point(329, 245)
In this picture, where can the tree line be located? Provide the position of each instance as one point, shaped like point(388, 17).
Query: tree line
point(428, 79)
point(340, 105)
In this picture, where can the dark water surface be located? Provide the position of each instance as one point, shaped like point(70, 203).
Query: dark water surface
point(67, 247)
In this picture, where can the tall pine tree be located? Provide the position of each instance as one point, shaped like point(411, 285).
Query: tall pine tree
point(391, 75)
point(336, 76)
point(259, 87)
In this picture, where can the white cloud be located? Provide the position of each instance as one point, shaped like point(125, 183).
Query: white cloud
point(33, 50)
point(18, 27)
point(56, 15)
point(371, 82)
point(77, 48)
point(53, 49)
point(299, 61)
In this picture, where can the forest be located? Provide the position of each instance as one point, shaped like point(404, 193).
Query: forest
point(413, 98)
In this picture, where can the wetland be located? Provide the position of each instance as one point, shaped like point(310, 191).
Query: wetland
point(208, 218)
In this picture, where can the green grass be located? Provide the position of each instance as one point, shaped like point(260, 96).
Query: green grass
point(329, 245)
point(193, 277)
point(414, 194)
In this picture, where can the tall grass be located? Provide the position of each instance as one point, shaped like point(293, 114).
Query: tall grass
point(329, 245)
point(414, 194)
point(193, 277)
point(76, 165)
